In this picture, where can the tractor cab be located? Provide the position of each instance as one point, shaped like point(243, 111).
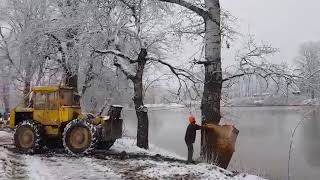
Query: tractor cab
point(51, 96)
point(55, 105)
point(49, 105)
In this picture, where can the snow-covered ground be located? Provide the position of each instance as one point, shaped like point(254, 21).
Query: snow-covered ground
point(311, 102)
point(5, 137)
point(270, 100)
point(170, 105)
point(62, 166)
point(129, 145)
point(297, 100)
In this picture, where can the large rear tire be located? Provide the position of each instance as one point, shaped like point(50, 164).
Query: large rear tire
point(79, 137)
point(28, 136)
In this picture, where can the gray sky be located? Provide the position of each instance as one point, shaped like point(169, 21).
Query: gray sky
point(283, 23)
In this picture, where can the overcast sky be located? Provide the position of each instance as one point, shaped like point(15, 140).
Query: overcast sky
point(283, 23)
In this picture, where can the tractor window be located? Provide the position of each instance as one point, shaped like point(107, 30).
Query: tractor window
point(52, 101)
point(40, 100)
point(66, 97)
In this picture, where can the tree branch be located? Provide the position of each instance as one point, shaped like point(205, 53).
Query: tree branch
point(177, 71)
point(123, 70)
point(116, 53)
point(198, 10)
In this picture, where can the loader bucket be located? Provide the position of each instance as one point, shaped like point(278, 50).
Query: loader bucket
point(115, 111)
point(113, 127)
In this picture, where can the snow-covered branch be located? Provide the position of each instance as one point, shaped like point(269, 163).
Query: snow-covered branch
point(125, 71)
point(197, 9)
point(178, 72)
point(252, 60)
point(116, 53)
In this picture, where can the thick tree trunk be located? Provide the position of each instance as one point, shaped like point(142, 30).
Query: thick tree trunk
point(210, 104)
point(142, 115)
point(312, 94)
point(5, 99)
point(72, 80)
point(26, 91)
point(72, 66)
point(141, 111)
point(27, 84)
point(71, 34)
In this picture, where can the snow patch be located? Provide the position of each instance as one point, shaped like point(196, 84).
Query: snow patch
point(5, 137)
point(165, 170)
point(38, 170)
point(173, 105)
point(311, 102)
point(5, 134)
point(129, 145)
point(42, 168)
point(2, 162)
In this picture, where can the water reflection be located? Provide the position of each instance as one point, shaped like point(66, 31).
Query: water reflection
point(310, 138)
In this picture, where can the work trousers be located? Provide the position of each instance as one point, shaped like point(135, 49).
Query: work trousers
point(190, 152)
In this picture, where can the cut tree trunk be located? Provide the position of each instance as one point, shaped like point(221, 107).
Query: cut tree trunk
point(141, 111)
point(210, 104)
point(137, 80)
point(142, 116)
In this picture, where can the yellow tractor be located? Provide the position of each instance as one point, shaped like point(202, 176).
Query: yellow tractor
point(54, 113)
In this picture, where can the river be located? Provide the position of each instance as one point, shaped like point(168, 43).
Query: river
point(262, 145)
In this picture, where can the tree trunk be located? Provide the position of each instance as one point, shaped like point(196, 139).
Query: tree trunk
point(141, 111)
point(312, 94)
point(5, 99)
point(142, 115)
point(27, 83)
point(26, 90)
point(73, 60)
point(73, 54)
point(72, 80)
point(210, 104)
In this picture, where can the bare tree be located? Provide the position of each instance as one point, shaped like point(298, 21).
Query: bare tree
point(22, 48)
point(210, 13)
point(308, 66)
point(136, 49)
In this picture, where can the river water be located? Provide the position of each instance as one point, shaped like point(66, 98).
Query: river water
point(262, 145)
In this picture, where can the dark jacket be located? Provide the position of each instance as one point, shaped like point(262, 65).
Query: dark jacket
point(190, 136)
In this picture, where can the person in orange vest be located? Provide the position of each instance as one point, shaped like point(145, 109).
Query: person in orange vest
point(190, 136)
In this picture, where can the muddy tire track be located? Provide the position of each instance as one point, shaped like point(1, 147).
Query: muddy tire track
point(123, 168)
point(13, 166)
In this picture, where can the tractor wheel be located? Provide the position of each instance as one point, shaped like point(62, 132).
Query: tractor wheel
point(28, 136)
point(79, 137)
point(105, 145)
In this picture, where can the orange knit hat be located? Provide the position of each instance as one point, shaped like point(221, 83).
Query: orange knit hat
point(192, 119)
